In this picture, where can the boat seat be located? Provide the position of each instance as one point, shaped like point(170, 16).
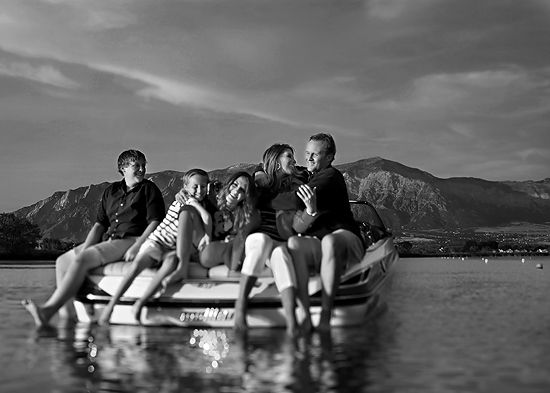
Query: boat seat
point(196, 271)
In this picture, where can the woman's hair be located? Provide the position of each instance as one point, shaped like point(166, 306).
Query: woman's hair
point(271, 166)
point(127, 157)
point(189, 174)
point(242, 213)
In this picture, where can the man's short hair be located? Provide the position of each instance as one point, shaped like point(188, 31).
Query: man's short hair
point(327, 139)
point(129, 156)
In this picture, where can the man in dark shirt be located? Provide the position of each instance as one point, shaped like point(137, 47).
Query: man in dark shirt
point(129, 211)
point(333, 241)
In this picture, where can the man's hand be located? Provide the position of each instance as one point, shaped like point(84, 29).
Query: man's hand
point(309, 196)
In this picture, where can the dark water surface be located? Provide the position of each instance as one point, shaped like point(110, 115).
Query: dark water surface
point(444, 326)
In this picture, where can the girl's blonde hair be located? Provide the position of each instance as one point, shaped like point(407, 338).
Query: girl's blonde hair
point(189, 174)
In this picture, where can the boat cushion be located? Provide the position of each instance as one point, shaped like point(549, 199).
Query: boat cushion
point(195, 271)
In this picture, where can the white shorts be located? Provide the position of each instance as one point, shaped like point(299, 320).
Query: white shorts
point(153, 250)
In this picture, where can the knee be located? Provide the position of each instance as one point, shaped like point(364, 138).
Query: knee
point(257, 241)
point(280, 255)
point(293, 243)
point(329, 244)
point(85, 258)
point(62, 262)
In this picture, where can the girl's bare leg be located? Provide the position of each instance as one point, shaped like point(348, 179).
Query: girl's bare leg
point(142, 262)
point(168, 266)
point(258, 246)
point(190, 227)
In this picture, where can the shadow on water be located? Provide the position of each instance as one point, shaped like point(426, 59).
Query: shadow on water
point(139, 359)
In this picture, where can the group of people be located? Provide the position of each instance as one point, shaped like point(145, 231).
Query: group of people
point(290, 219)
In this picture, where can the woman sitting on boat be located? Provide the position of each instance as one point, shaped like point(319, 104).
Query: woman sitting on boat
point(236, 217)
point(267, 246)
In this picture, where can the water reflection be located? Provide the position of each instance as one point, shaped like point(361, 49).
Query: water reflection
point(130, 359)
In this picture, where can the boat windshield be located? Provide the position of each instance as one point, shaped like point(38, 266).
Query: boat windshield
point(371, 225)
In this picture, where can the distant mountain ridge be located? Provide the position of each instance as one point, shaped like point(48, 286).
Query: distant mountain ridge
point(407, 198)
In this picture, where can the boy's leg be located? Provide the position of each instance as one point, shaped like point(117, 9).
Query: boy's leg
point(74, 276)
point(67, 288)
point(67, 311)
point(258, 246)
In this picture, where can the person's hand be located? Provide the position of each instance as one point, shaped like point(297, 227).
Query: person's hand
point(309, 196)
point(180, 197)
point(131, 253)
point(192, 201)
point(203, 242)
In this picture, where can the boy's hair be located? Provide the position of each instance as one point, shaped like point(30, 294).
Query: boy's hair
point(327, 139)
point(128, 156)
point(243, 212)
point(270, 162)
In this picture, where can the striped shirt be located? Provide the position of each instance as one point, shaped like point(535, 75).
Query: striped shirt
point(166, 232)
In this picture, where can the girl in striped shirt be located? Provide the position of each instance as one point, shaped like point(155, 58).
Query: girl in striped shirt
point(186, 228)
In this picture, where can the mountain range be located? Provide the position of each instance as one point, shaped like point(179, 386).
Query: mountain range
point(407, 199)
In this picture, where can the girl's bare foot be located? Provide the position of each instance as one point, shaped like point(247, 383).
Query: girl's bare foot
point(136, 310)
point(36, 313)
point(105, 317)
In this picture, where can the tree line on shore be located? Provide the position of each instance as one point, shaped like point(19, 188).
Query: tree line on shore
point(20, 239)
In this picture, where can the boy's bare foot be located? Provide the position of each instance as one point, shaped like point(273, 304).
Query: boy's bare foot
point(36, 313)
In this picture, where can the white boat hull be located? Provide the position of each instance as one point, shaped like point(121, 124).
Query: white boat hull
point(209, 301)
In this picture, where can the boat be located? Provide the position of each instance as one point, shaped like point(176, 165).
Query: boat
point(207, 298)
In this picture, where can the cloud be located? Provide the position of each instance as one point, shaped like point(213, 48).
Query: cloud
point(113, 14)
point(44, 74)
point(533, 153)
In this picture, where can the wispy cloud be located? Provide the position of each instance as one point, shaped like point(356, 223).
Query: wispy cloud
point(45, 74)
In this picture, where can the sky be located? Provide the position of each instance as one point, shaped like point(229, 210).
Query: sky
point(454, 88)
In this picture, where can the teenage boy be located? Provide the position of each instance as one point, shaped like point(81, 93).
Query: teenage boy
point(129, 211)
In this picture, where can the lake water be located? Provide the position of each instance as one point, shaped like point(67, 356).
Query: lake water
point(445, 325)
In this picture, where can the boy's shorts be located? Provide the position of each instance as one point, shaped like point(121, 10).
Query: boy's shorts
point(107, 251)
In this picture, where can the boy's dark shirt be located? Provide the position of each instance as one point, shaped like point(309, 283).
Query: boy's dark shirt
point(332, 203)
point(127, 213)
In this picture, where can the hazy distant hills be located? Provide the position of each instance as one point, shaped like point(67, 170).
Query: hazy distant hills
point(407, 198)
